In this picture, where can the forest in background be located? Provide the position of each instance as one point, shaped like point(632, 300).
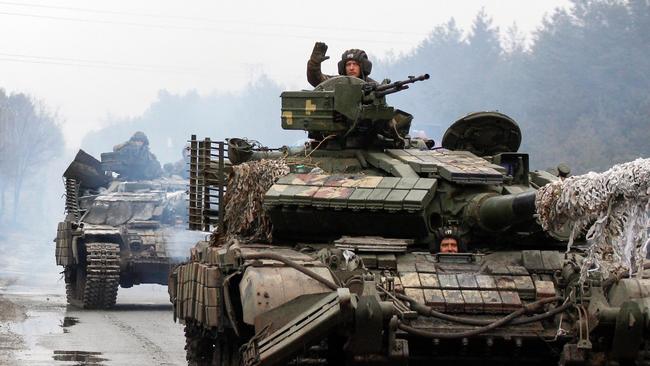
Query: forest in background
point(579, 90)
point(30, 143)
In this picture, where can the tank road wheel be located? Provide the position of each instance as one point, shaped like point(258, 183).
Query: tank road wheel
point(198, 347)
point(93, 284)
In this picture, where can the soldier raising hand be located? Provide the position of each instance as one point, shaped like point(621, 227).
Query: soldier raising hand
point(354, 62)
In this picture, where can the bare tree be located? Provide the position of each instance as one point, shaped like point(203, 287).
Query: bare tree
point(30, 137)
point(4, 142)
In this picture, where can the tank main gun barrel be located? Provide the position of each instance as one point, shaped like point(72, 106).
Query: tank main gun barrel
point(497, 213)
point(385, 89)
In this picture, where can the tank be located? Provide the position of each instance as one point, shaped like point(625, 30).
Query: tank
point(338, 252)
point(117, 231)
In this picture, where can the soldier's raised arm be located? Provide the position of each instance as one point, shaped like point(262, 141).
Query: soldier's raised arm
point(314, 74)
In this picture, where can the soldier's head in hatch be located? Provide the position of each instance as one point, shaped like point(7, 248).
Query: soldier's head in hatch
point(448, 242)
point(449, 245)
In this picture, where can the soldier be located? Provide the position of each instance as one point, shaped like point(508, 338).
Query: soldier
point(450, 242)
point(133, 160)
point(354, 62)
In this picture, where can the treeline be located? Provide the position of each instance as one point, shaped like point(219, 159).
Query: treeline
point(580, 91)
point(30, 139)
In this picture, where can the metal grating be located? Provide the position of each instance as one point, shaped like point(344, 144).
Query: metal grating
point(208, 175)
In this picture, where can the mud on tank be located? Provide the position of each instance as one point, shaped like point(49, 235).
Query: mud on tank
point(328, 254)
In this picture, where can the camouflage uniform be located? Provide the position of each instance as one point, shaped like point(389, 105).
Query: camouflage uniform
point(314, 74)
point(135, 159)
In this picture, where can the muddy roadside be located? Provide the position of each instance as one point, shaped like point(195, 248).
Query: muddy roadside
point(10, 313)
point(26, 266)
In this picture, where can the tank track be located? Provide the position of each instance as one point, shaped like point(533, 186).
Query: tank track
point(102, 276)
point(199, 348)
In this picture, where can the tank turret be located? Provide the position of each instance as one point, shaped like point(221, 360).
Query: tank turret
point(377, 180)
point(348, 113)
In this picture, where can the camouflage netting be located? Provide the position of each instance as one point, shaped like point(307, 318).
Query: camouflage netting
point(244, 214)
point(612, 207)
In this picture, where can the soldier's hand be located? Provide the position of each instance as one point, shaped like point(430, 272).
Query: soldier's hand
point(318, 54)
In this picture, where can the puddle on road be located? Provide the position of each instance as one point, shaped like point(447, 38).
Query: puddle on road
point(85, 358)
point(68, 321)
point(50, 322)
point(38, 323)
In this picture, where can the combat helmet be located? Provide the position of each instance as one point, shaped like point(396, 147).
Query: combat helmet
point(448, 232)
point(359, 56)
point(140, 137)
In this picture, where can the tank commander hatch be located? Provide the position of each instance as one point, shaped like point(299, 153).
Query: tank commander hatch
point(354, 62)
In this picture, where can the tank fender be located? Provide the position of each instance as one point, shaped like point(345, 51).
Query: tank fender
point(102, 233)
point(265, 288)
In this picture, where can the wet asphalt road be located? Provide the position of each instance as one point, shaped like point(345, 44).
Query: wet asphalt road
point(138, 331)
point(38, 328)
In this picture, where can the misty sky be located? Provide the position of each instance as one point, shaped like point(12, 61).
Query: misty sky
point(90, 59)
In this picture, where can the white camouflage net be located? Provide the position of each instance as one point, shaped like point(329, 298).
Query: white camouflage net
point(244, 215)
point(612, 207)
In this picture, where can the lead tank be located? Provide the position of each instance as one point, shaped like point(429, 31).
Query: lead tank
point(122, 222)
point(329, 254)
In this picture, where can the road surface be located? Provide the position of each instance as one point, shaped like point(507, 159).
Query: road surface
point(38, 328)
